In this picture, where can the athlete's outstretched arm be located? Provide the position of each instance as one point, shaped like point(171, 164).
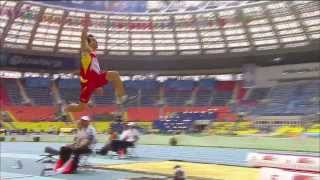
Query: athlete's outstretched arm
point(85, 48)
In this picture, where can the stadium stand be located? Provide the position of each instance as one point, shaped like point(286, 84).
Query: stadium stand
point(240, 91)
point(222, 93)
point(295, 98)
point(178, 92)
point(107, 98)
point(39, 90)
point(69, 89)
point(150, 92)
point(146, 90)
point(12, 90)
point(306, 99)
point(251, 100)
point(204, 92)
point(133, 89)
point(257, 94)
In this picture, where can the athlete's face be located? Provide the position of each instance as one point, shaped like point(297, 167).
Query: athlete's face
point(93, 43)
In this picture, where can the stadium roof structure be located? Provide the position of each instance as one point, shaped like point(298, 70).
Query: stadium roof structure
point(211, 31)
point(144, 6)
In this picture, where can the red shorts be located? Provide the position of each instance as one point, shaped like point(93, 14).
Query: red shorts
point(89, 87)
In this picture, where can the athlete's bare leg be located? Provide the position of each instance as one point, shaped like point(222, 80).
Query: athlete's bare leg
point(76, 107)
point(114, 78)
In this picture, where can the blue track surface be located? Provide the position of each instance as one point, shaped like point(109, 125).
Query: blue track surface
point(152, 152)
point(28, 153)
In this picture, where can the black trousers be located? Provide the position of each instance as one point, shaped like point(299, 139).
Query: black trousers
point(66, 152)
point(116, 145)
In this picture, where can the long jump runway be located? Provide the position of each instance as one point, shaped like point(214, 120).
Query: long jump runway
point(152, 160)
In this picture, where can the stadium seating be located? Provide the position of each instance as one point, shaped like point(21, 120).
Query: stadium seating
point(39, 90)
point(12, 90)
point(146, 90)
point(305, 101)
point(257, 94)
point(251, 102)
point(223, 93)
point(298, 98)
point(133, 89)
point(178, 92)
point(145, 109)
point(204, 92)
point(150, 92)
point(240, 91)
point(69, 89)
point(107, 98)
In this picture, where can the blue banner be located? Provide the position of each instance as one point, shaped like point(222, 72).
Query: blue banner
point(37, 62)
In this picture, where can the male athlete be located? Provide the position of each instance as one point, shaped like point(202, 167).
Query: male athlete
point(92, 78)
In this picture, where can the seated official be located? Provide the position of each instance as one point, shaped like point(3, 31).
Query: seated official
point(84, 142)
point(113, 136)
point(127, 139)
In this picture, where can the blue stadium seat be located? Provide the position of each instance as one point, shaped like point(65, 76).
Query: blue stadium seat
point(39, 90)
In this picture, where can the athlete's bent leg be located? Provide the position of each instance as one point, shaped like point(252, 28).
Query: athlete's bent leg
point(114, 78)
point(75, 107)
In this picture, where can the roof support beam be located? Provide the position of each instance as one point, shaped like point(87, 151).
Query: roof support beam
point(222, 31)
point(248, 33)
point(35, 27)
point(195, 20)
point(269, 17)
point(174, 31)
point(64, 17)
point(152, 36)
point(299, 19)
point(107, 35)
point(129, 36)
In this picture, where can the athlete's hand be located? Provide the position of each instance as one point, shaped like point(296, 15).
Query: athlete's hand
point(86, 21)
point(82, 80)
